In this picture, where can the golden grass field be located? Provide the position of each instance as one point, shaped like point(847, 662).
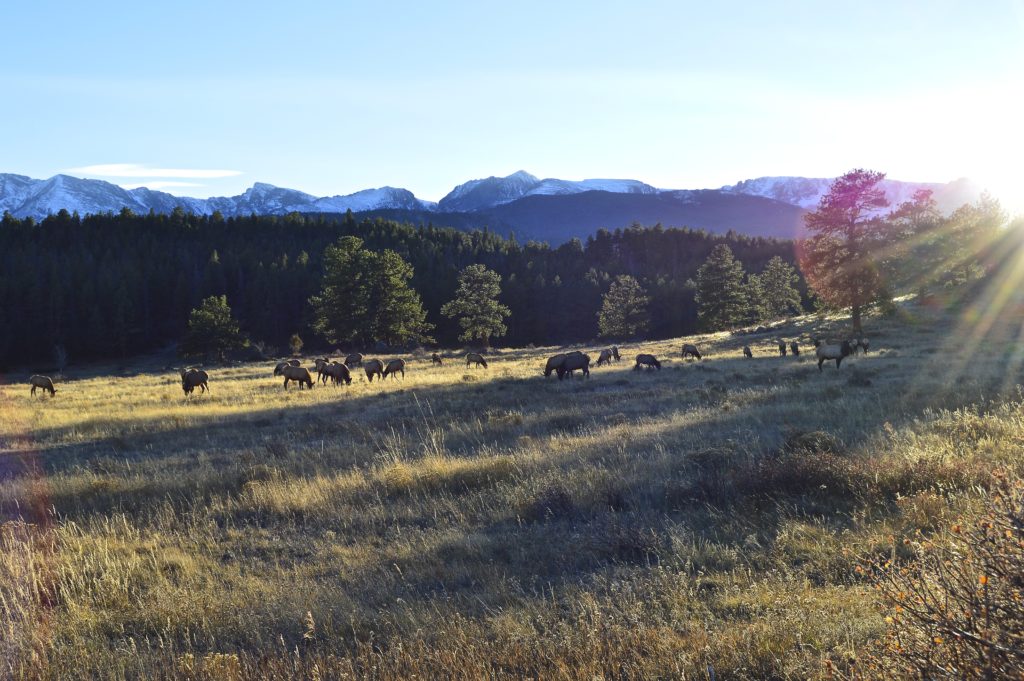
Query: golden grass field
point(471, 523)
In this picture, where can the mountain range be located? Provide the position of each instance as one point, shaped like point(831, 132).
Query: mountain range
point(548, 209)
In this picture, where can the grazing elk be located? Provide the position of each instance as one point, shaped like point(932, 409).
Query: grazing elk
point(393, 368)
point(194, 378)
point(373, 367)
point(436, 359)
point(747, 353)
point(553, 364)
point(690, 350)
point(338, 373)
point(476, 359)
point(574, 361)
point(649, 361)
point(299, 375)
point(44, 382)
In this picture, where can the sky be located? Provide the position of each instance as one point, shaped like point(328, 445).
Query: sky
point(204, 98)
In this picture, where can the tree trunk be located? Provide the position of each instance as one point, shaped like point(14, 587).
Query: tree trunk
point(485, 342)
point(856, 319)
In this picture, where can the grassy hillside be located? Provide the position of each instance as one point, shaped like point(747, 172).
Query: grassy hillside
point(473, 523)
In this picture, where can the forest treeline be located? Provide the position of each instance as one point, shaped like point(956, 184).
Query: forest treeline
point(114, 285)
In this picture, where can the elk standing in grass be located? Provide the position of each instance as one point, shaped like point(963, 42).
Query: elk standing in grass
point(373, 367)
point(833, 351)
point(393, 368)
point(690, 350)
point(574, 361)
point(649, 361)
point(298, 374)
point(44, 382)
point(194, 378)
point(476, 359)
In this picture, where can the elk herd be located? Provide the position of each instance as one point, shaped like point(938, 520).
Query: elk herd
point(562, 364)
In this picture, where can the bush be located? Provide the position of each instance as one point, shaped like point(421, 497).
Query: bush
point(957, 610)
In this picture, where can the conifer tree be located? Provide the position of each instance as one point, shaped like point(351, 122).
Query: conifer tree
point(722, 298)
point(365, 297)
point(476, 305)
point(212, 330)
point(623, 311)
point(777, 286)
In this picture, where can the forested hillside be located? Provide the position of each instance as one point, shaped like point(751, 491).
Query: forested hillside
point(113, 285)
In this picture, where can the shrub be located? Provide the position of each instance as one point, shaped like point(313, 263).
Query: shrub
point(956, 610)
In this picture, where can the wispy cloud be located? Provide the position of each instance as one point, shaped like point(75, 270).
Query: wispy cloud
point(141, 170)
point(159, 184)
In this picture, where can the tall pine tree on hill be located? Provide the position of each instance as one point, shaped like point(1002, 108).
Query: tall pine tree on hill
point(722, 298)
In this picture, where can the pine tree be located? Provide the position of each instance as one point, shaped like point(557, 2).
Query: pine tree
point(624, 309)
point(398, 314)
point(366, 297)
point(842, 258)
point(722, 298)
point(341, 310)
point(212, 330)
point(778, 293)
point(476, 305)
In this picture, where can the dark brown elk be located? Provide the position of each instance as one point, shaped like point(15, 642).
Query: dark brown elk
point(795, 349)
point(649, 361)
point(373, 367)
point(44, 382)
point(321, 367)
point(338, 373)
point(553, 364)
point(194, 378)
point(436, 359)
point(394, 367)
point(574, 361)
point(354, 359)
point(299, 375)
point(690, 350)
point(782, 348)
point(747, 353)
point(476, 359)
point(615, 353)
point(605, 357)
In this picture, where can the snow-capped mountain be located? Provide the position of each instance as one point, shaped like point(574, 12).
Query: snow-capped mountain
point(24, 197)
point(373, 199)
point(488, 192)
point(806, 192)
point(496, 191)
point(551, 209)
point(553, 187)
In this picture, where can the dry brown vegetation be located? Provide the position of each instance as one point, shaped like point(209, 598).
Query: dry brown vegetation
point(709, 516)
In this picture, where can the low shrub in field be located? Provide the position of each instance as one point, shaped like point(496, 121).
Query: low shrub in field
point(956, 611)
point(552, 502)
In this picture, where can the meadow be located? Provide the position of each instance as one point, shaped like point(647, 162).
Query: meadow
point(469, 523)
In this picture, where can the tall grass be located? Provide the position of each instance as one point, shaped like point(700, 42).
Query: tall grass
point(709, 516)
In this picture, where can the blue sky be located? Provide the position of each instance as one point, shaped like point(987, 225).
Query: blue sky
point(205, 98)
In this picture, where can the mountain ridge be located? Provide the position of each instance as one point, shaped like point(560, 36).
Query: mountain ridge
point(548, 209)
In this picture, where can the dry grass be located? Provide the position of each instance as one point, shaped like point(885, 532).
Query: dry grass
point(471, 523)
